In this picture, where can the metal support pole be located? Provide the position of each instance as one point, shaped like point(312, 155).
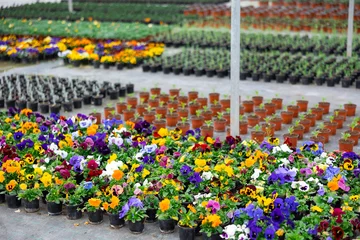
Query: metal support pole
point(70, 4)
point(235, 67)
point(350, 29)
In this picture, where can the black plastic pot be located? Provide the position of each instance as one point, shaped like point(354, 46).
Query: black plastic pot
point(145, 68)
point(130, 88)
point(280, 78)
point(55, 108)
point(87, 100)
point(319, 81)
point(199, 72)
point(115, 221)
point(243, 75)
point(12, 201)
point(151, 212)
point(187, 71)
point(166, 70)
point(186, 233)
point(210, 73)
point(136, 227)
point(114, 94)
point(67, 106)
point(330, 82)
point(2, 102)
point(106, 65)
point(96, 64)
point(44, 107)
point(33, 106)
point(96, 217)
point(72, 212)
point(153, 69)
point(212, 237)
point(32, 206)
point(305, 81)
point(76, 63)
point(2, 198)
point(357, 84)
point(54, 209)
point(22, 104)
point(220, 73)
point(10, 103)
point(122, 92)
point(167, 226)
point(77, 102)
point(103, 92)
point(293, 79)
point(345, 83)
point(98, 100)
point(255, 77)
point(267, 78)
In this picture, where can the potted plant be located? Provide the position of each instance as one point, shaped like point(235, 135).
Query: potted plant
point(324, 132)
point(303, 104)
point(54, 200)
point(291, 137)
point(12, 188)
point(108, 109)
point(211, 227)
point(214, 96)
point(225, 102)
point(173, 103)
point(155, 90)
point(151, 202)
point(325, 106)
point(154, 101)
point(350, 109)
point(257, 99)
point(184, 126)
point(161, 109)
point(96, 115)
point(129, 113)
point(121, 105)
point(193, 107)
point(95, 214)
point(144, 95)
point(293, 108)
point(331, 124)
point(316, 138)
point(159, 122)
point(187, 223)
point(167, 214)
point(286, 116)
point(135, 213)
point(174, 91)
point(171, 118)
point(253, 120)
point(317, 111)
point(257, 135)
point(354, 135)
point(339, 119)
point(131, 100)
point(141, 108)
point(220, 123)
point(261, 112)
point(268, 128)
point(215, 108)
point(277, 101)
point(243, 125)
point(345, 143)
point(207, 130)
point(30, 196)
point(248, 106)
point(299, 129)
point(227, 116)
point(197, 121)
point(74, 201)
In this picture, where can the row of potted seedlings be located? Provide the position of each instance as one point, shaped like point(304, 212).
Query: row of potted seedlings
point(49, 94)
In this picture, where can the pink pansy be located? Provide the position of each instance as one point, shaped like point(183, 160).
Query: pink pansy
point(214, 205)
point(342, 185)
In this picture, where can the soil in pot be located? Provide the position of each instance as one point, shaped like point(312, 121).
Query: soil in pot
point(277, 121)
point(215, 108)
point(155, 91)
point(120, 107)
point(214, 97)
point(133, 101)
point(299, 130)
point(261, 113)
point(54, 209)
point(312, 118)
point(144, 96)
point(167, 226)
point(346, 145)
point(73, 213)
point(95, 217)
point(339, 120)
point(136, 227)
point(270, 108)
point(257, 100)
point(12, 201)
point(192, 95)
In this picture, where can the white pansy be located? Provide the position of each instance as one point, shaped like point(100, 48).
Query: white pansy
point(138, 156)
point(276, 149)
point(323, 155)
point(256, 174)
point(285, 148)
point(47, 160)
point(285, 161)
point(61, 153)
point(230, 231)
point(53, 147)
point(207, 176)
point(74, 135)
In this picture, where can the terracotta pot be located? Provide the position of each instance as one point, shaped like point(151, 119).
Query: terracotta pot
point(159, 123)
point(341, 112)
point(270, 108)
point(277, 121)
point(318, 112)
point(350, 109)
point(294, 109)
point(226, 116)
point(339, 120)
point(207, 131)
point(356, 128)
point(164, 98)
point(325, 132)
point(214, 97)
point(225, 104)
point(172, 119)
point(155, 91)
point(241, 110)
point(128, 114)
point(97, 116)
point(141, 109)
point(154, 103)
point(183, 99)
point(257, 100)
point(162, 111)
point(278, 103)
point(318, 139)
point(325, 106)
point(248, 106)
point(197, 122)
point(312, 118)
point(132, 101)
point(173, 104)
point(183, 113)
point(207, 115)
point(261, 113)
point(332, 126)
point(303, 105)
point(219, 125)
point(243, 125)
point(258, 136)
point(107, 111)
point(215, 109)
point(174, 92)
point(203, 102)
point(287, 117)
point(253, 120)
point(144, 97)
point(192, 95)
point(299, 130)
point(193, 107)
point(307, 124)
point(120, 107)
point(149, 117)
point(354, 135)
point(293, 138)
point(184, 127)
point(268, 129)
point(346, 145)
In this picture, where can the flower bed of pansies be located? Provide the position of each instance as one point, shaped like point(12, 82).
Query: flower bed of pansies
point(231, 189)
point(83, 50)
